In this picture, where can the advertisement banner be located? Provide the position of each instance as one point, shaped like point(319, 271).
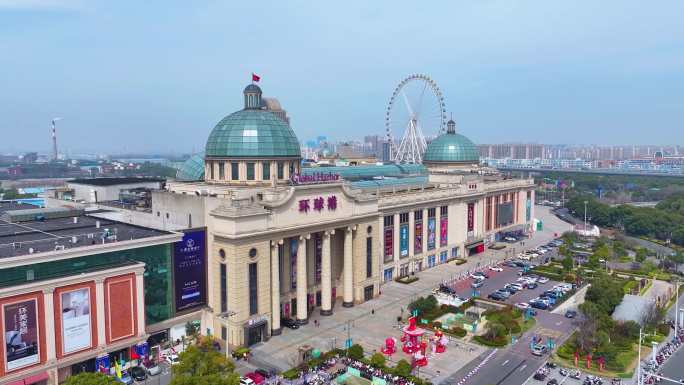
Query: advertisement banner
point(471, 217)
point(293, 262)
point(76, 328)
point(21, 334)
point(528, 210)
point(389, 242)
point(418, 238)
point(431, 233)
point(189, 270)
point(443, 230)
point(403, 240)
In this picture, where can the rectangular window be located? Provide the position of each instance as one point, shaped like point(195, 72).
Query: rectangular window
point(224, 289)
point(444, 211)
point(418, 215)
point(281, 170)
point(253, 299)
point(211, 170)
point(388, 231)
point(388, 220)
point(222, 171)
point(431, 212)
point(266, 170)
point(388, 274)
point(454, 252)
point(431, 260)
point(224, 333)
point(369, 257)
point(403, 218)
point(443, 256)
point(235, 171)
point(250, 171)
point(292, 168)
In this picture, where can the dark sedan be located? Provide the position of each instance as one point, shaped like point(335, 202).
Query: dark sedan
point(289, 323)
point(138, 373)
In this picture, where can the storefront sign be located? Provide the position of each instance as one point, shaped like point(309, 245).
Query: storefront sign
point(471, 217)
point(418, 238)
point(403, 239)
point(76, 328)
point(443, 231)
point(256, 320)
point(431, 241)
point(314, 178)
point(102, 363)
point(318, 204)
point(389, 242)
point(189, 270)
point(21, 334)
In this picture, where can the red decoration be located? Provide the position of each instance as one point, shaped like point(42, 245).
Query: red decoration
point(576, 358)
point(588, 361)
point(255, 78)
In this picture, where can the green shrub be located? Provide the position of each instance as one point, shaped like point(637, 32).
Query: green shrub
point(377, 360)
point(355, 352)
point(496, 342)
point(458, 331)
point(291, 374)
point(403, 368)
point(663, 329)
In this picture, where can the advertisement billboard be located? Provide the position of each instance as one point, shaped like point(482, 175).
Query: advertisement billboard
point(431, 233)
point(389, 243)
point(403, 240)
point(418, 238)
point(471, 217)
point(294, 245)
point(189, 270)
point(21, 334)
point(443, 231)
point(528, 210)
point(76, 327)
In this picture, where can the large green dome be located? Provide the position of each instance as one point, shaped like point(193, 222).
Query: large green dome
point(451, 148)
point(252, 133)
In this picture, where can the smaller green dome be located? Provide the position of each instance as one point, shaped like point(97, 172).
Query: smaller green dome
point(451, 148)
point(192, 169)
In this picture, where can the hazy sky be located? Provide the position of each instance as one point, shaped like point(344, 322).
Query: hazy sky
point(158, 75)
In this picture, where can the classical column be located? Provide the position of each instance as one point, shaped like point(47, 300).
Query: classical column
point(275, 289)
point(348, 299)
point(326, 275)
point(140, 293)
point(100, 309)
point(302, 303)
point(48, 300)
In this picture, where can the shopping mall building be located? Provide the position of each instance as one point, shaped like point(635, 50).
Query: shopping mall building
point(286, 241)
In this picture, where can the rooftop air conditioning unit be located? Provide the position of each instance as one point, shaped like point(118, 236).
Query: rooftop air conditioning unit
point(75, 219)
point(59, 247)
point(30, 250)
point(97, 224)
point(74, 239)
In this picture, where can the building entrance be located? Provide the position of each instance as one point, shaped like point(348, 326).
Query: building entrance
point(368, 293)
point(255, 333)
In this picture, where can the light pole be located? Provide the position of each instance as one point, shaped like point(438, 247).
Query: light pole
point(676, 307)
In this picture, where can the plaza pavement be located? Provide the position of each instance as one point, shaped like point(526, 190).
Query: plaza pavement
point(370, 323)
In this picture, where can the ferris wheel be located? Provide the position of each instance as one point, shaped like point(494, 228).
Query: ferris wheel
point(415, 108)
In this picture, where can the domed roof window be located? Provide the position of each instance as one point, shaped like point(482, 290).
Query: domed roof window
point(451, 148)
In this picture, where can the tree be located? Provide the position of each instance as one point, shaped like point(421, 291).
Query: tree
point(651, 316)
point(567, 264)
point(677, 259)
point(202, 364)
point(640, 255)
point(403, 368)
point(88, 378)
point(192, 329)
point(355, 351)
point(377, 360)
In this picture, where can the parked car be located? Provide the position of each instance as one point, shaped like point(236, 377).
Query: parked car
point(172, 359)
point(289, 323)
point(511, 264)
point(477, 283)
point(246, 381)
point(478, 274)
point(153, 370)
point(497, 296)
point(139, 373)
point(263, 372)
point(543, 280)
point(510, 239)
point(522, 305)
point(537, 304)
point(503, 292)
point(552, 381)
point(446, 289)
point(539, 350)
point(532, 285)
point(570, 314)
point(256, 377)
point(125, 378)
point(496, 268)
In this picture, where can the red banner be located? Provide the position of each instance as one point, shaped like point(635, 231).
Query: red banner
point(389, 242)
point(471, 216)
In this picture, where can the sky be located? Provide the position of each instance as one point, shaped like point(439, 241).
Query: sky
point(156, 76)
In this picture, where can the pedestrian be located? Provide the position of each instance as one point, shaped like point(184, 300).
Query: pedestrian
point(373, 311)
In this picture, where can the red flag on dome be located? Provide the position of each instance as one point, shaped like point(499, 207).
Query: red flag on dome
point(255, 77)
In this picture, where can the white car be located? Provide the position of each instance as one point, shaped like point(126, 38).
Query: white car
point(543, 280)
point(495, 268)
point(522, 305)
point(516, 285)
point(524, 257)
point(172, 359)
point(246, 381)
point(541, 251)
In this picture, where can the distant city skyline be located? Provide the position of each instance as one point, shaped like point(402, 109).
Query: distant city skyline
point(159, 78)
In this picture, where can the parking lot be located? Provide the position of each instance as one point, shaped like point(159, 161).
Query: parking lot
point(553, 373)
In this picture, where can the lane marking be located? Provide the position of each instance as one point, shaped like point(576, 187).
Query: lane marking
point(505, 362)
point(522, 368)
